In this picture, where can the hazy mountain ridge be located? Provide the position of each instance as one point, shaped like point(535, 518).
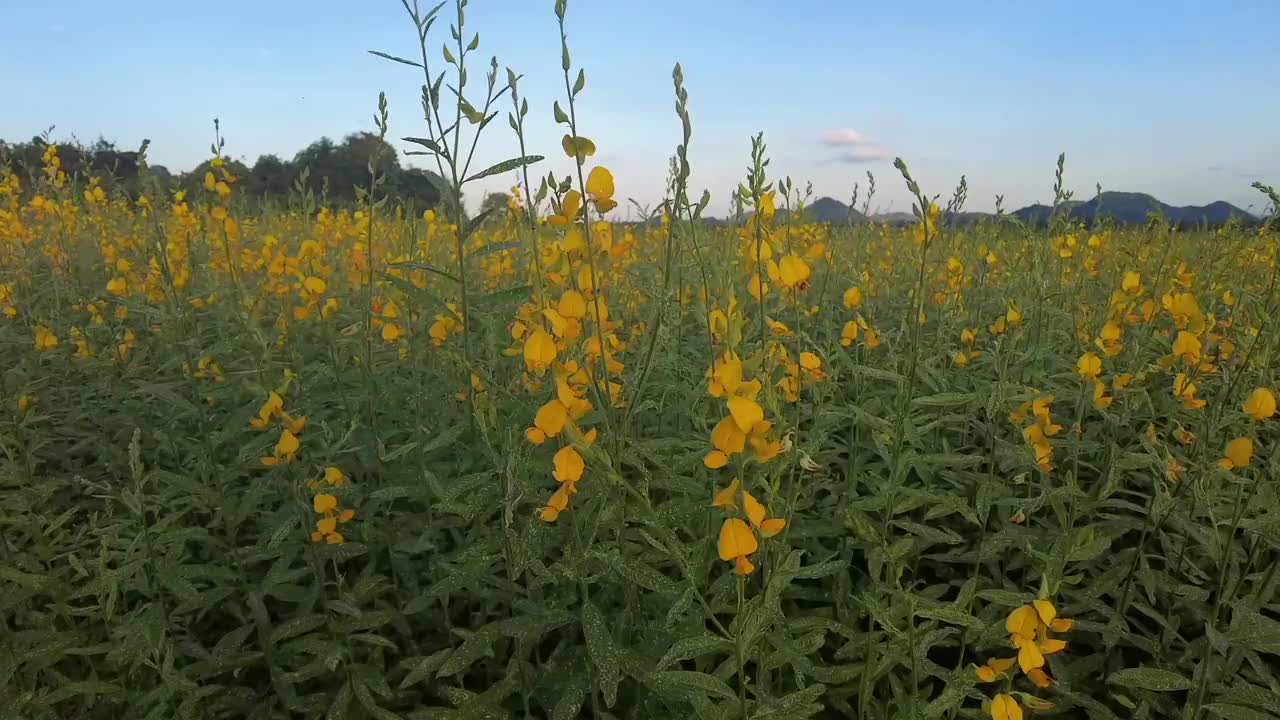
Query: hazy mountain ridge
point(1125, 208)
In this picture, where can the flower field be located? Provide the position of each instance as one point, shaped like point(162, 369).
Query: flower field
point(373, 461)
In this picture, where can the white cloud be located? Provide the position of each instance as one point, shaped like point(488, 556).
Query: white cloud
point(854, 146)
point(842, 137)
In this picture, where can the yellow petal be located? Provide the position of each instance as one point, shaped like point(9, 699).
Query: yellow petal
point(1004, 707)
point(736, 539)
point(745, 412)
point(568, 465)
point(1045, 610)
point(728, 497)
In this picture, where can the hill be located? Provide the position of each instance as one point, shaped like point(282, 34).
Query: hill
point(1125, 208)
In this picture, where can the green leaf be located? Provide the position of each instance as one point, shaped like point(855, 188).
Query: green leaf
point(681, 683)
point(946, 399)
point(951, 615)
point(395, 58)
point(602, 651)
point(422, 668)
point(477, 645)
point(295, 627)
point(505, 166)
point(1252, 695)
point(429, 144)
point(561, 116)
point(692, 647)
point(1150, 679)
point(1254, 631)
point(800, 704)
point(423, 266)
point(370, 705)
point(572, 695)
point(341, 703)
point(494, 248)
point(1237, 712)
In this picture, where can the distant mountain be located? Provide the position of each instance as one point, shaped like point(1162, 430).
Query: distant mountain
point(1128, 208)
point(826, 209)
point(1125, 208)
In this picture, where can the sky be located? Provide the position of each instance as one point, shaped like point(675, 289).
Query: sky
point(1170, 98)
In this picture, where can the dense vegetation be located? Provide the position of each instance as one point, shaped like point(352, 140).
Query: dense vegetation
point(316, 458)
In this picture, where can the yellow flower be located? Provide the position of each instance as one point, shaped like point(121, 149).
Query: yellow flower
point(1132, 282)
point(572, 305)
point(1187, 346)
point(391, 332)
point(736, 543)
point(600, 188)
point(570, 208)
point(334, 476)
point(1004, 707)
point(551, 419)
point(324, 503)
point(745, 412)
point(1238, 453)
point(539, 351)
point(1089, 366)
point(118, 286)
point(1186, 390)
point(25, 401)
point(793, 272)
point(579, 148)
point(849, 333)
point(994, 668)
point(45, 339)
point(285, 450)
point(1261, 404)
point(569, 465)
point(314, 285)
point(1100, 398)
point(852, 298)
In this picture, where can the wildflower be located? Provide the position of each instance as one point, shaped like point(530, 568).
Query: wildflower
point(849, 333)
point(578, 147)
point(1004, 707)
point(793, 273)
point(1237, 454)
point(1187, 346)
point(1132, 282)
point(1261, 404)
point(1029, 629)
point(118, 286)
point(324, 503)
point(45, 339)
point(1100, 398)
point(745, 412)
point(568, 465)
point(272, 407)
point(391, 332)
point(539, 351)
point(1109, 339)
point(285, 450)
point(570, 209)
point(852, 298)
point(600, 187)
point(994, 668)
point(1185, 390)
point(25, 401)
point(736, 543)
point(1089, 366)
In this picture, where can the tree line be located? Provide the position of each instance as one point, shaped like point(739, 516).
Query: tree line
point(330, 171)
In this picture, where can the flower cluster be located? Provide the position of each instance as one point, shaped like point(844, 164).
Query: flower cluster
point(737, 536)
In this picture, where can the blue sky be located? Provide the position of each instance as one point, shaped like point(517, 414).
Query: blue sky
point(1170, 98)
